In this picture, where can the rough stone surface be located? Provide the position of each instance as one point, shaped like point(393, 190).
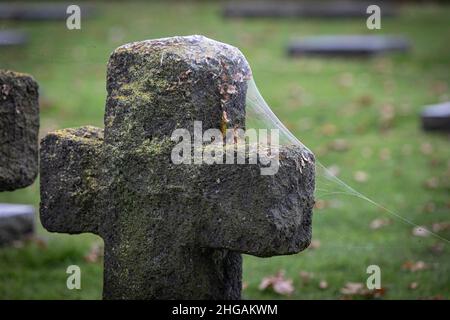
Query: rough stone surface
point(16, 222)
point(19, 126)
point(173, 231)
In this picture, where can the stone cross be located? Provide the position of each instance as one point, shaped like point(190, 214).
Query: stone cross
point(173, 231)
point(19, 128)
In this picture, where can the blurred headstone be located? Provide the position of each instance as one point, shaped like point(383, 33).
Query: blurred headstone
point(290, 9)
point(19, 126)
point(436, 117)
point(12, 38)
point(40, 11)
point(16, 222)
point(348, 45)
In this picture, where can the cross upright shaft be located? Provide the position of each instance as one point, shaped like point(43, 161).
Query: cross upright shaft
point(173, 231)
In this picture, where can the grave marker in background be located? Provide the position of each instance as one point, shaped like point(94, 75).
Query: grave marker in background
point(436, 117)
point(348, 45)
point(302, 9)
point(19, 126)
point(40, 11)
point(12, 38)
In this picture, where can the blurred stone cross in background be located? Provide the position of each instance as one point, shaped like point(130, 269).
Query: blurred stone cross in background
point(173, 231)
point(19, 129)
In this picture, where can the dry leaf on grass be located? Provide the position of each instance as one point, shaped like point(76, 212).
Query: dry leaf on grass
point(306, 276)
point(387, 116)
point(334, 170)
point(39, 241)
point(415, 266)
point(345, 80)
point(365, 100)
point(321, 204)
point(95, 253)
point(379, 223)
point(358, 289)
point(328, 129)
point(426, 148)
point(413, 285)
point(361, 176)
point(323, 284)
point(437, 248)
point(339, 145)
point(278, 283)
point(420, 231)
point(429, 207)
point(315, 244)
point(385, 154)
point(352, 288)
point(440, 226)
point(431, 183)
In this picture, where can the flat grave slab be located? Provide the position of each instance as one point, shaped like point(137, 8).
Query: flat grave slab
point(40, 11)
point(290, 9)
point(348, 45)
point(16, 222)
point(12, 38)
point(436, 117)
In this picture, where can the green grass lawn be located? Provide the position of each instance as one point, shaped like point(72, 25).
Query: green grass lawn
point(371, 107)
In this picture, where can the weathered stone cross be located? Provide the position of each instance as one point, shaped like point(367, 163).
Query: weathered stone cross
point(19, 127)
point(173, 231)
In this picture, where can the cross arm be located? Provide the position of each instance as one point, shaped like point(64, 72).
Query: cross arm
point(262, 215)
point(70, 180)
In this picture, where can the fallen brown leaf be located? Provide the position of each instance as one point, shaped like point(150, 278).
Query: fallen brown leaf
point(321, 204)
point(429, 207)
point(413, 285)
point(334, 170)
point(431, 183)
point(358, 289)
point(437, 248)
point(387, 115)
point(339, 145)
point(315, 244)
point(95, 253)
point(278, 283)
point(352, 288)
point(361, 176)
point(379, 223)
point(440, 226)
point(421, 231)
point(306, 276)
point(345, 80)
point(415, 266)
point(385, 154)
point(323, 284)
point(365, 100)
point(328, 129)
point(426, 148)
